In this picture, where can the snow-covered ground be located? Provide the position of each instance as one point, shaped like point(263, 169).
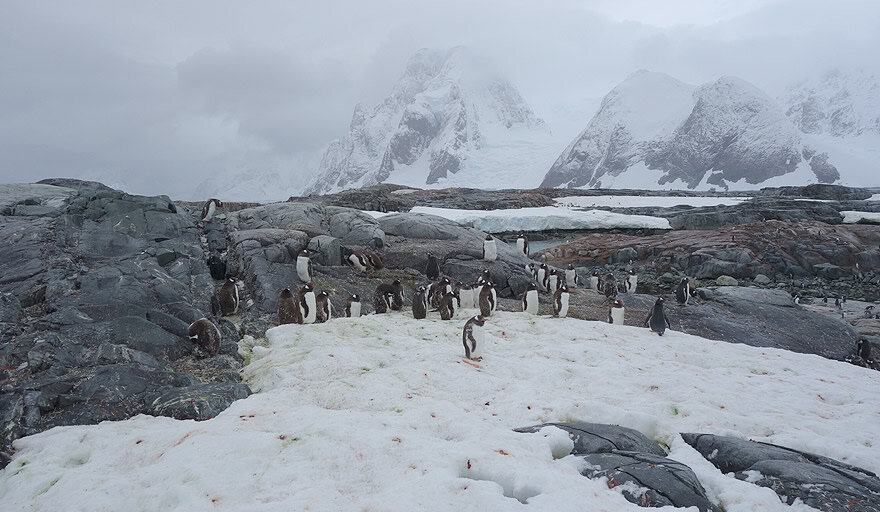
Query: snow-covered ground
point(543, 218)
point(643, 201)
point(852, 217)
point(381, 413)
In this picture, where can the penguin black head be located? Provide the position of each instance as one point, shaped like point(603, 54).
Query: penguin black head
point(396, 282)
point(617, 304)
point(304, 252)
point(307, 287)
point(543, 265)
point(570, 266)
point(420, 289)
point(325, 293)
point(532, 286)
point(231, 280)
point(684, 280)
point(488, 237)
point(595, 273)
point(660, 301)
point(563, 288)
point(632, 272)
point(286, 292)
point(355, 298)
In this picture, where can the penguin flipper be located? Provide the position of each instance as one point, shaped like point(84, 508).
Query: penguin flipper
point(666, 319)
point(648, 320)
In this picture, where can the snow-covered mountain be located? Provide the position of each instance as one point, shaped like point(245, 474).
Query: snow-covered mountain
point(838, 103)
point(654, 131)
point(451, 120)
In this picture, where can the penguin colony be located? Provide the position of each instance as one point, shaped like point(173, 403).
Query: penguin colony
point(440, 294)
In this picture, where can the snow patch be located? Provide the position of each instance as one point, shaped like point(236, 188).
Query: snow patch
point(853, 217)
point(646, 201)
point(544, 218)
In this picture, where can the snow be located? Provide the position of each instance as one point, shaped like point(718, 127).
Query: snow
point(352, 415)
point(852, 217)
point(875, 197)
point(646, 201)
point(544, 218)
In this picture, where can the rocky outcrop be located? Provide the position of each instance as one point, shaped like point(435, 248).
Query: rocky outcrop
point(98, 288)
point(820, 191)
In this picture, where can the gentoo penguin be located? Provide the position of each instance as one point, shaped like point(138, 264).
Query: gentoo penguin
point(487, 300)
point(490, 251)
point(532, 269)
point(595, 282)
point(217, 267)
point(206, 336)
point(522, 243)
point(436, 291)
point(572, 280)
point(395, 290)
point(433, 268)
point(542, 276)
point(353, 306)
point(869, 310)
point(795, 298)
point(530, 299)
point(323, 307)
point(358, 261)
point(609, 287)
point(863, 349)
point(472, 337)
point(227, 297)
point(289, 311)
point(210, 208)
point(485, 276)
point(631, 281)
point(560, 302)
point(304, 266)
point(657, 320)
point(683, 291)
point(420, 303)
point(466, 296)
point(373, 259)
point(308, 304)
point(551, 281)
point(382, 300)
point(616, 312)
point(448, 305)
point(837, 302)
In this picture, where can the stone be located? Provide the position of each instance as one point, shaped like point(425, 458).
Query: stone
point(197, 402)
point(726, 281)
point(165, 256)
point(601, 438)
point(762, 279)
point(625, 255)
point(327, 250)
point(828, 271)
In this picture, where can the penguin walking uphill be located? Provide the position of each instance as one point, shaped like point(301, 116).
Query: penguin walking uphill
point(616, 312)
point(631, 281)
point(210, 208)
point(487, 299)
point(572, 280)
point(289, 309)
point(227, 299)
point(530, 299)
point(683, 292)
point(304, 266)
point(206, 336)
point(472, 337)
point(353, 306)
point(560, 302)
point(420, 303)
point(609, 287)
point(324, 309)
point(657, 320)
point(308, 303)
point(522, 244)
point(432, 270)
point(490, 251)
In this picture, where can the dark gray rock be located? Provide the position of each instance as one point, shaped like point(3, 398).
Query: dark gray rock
point(820, 191)
point(827, 270)
point(199, 402)
point(625, 255)
point(600, 438)
point(819, 482)
point(327, 250)
point(660, 481)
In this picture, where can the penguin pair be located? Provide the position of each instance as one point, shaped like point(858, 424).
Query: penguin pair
point(306, 308)
point(683, 292)
point(437, 289)
point(530, 300)
point(552, 282)
point(388, 296)
point(364, 260)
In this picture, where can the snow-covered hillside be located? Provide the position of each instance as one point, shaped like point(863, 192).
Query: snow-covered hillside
point(381, 413)
point(653, 131)
point(837, 103)
point(451, 120)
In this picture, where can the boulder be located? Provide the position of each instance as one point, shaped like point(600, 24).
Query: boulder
point(827, 270)
point(199, 402)
point(726, 281)
point(601, 438)
point(762, 279)
point(327, 250)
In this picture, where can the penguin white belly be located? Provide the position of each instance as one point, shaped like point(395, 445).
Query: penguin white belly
point(353, 259)
point(541, 274)
point(329, 309)
point(617, 316)
point(553, 283)
point(570, 278)
point(211, 209)
point(594, 283)
point(494, 300)
point(490, 253)
point(631, 283)
point(355, 309)
point(302, 269)
point(479, 339)
point(313, 310)
point(467, 298)
point(521, 245)
point(563, 305)
point(531, 305)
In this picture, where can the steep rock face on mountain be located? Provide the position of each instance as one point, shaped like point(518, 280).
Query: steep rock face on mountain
point(838, 104)
point(449, 116)
point(653, 131)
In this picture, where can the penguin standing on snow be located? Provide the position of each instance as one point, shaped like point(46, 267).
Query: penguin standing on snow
point(616, 312)
point(487, 300)
point(304, 266)
point(433, 268)
point(436, 291)
point(609, 287)
point(657, 320)
point(560, 302)
point(393, 290)
point(530, 299)
point(420, 303)
point(206, 336)
point(308, 303)
point(631, 281)
point(210, 207)
point(522, 243)
point(542, 276)
point(595, 282)
point(448, 305)
point(472, 337)
point(289, 311)
point(490, 251)
point(572, 280)
point(863, 349)
point(353, 306)
point(466, 296)
point(323, 307)
point(683, 292)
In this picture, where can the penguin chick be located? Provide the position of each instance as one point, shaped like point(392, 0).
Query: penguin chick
point(289, 311)
point(206, 336)
point(420, 303)
point(324, 309)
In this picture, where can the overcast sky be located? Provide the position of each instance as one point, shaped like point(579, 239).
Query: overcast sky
point(156, 96)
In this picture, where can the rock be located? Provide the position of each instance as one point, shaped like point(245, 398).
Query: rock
point(165, 256)
point(726, 281)
point(817, 481)
point(198, 402)
point(327, 250)
point(827, 270)
point(600, 438)
point(625, 255)
point(649, 480)
point(820, 191)
point(762, 279)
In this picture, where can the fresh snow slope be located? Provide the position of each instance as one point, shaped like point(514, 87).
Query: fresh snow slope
point(653, 131)
point(543, 218)
point(852, 217)
point(643, 201)
point(380, 413)
point(451, 120)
